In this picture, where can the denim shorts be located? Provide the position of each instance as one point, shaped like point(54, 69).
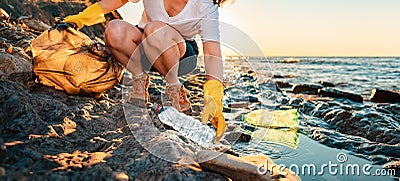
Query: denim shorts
point(186, 64)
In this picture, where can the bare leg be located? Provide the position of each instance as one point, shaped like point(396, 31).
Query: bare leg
point(163, 46)
point(122, 39)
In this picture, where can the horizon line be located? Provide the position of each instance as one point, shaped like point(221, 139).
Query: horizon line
point(319, 56)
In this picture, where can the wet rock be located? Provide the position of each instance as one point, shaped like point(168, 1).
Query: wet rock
point(394, 109)
point(253, 99)
point(96, 126)
point(268, 165)
point(281, 84)
point(249, 127)
point(307, 106)
point(340, 94)
point(295, 102)
point(285, 100)
point(49, 129)
point(250, 76)
point(384, 96)
point(306, 88)
point(235, 95)
point(2, 150)
point(379, 159)
point(2, 172)
point(282, 76)
point(10, 64)
point(238, 105)
point(278, 76)
point(4, 14)
point(234, 136)
point(230, 166)
point(36, 25)
point(373, 125)
point(394, 165)
point(327, 84)
point(269, 86)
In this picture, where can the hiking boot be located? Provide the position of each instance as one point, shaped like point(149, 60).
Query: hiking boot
point(177, 97)
point(139, 93)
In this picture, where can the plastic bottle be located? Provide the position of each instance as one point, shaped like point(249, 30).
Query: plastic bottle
point(186, 125)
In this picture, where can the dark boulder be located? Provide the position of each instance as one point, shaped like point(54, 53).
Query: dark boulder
point(306, 88)
point(327, 84)
point(384, 96)
point(340, 94)
point(281, 84)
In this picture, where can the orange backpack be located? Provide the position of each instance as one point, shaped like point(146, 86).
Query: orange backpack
point(69, 60)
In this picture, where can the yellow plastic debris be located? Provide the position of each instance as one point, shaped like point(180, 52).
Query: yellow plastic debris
point(273, 118)
point(289, 138)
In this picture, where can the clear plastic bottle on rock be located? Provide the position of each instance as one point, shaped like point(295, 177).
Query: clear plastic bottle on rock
point(186, 125)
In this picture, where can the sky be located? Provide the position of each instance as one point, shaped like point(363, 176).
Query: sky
point(308, 27)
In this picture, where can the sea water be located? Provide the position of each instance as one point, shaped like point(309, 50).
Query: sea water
point(358, 75)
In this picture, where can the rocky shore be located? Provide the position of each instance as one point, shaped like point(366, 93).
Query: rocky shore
point(367, 126)
point(47, 134)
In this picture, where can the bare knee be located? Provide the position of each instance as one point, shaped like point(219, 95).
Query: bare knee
point(162, 36)
point(119, 31)
point(155, 28)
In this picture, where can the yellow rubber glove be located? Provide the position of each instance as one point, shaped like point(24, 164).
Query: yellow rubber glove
point(92, 15)
point(213, 93)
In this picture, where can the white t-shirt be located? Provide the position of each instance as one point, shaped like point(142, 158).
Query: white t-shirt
point(197, 17)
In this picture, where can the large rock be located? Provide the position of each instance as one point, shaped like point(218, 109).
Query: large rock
point(330, 92)
point(394, 165)
point(282, 84)
point(46, 11)
point(326, 84)
point(375, 122)
point(36, 25)
point(306, 88)
point(384, 96)
point(251, 167)
point(230, 166)
point(10, 64)
point(277, 173)
point(234, 136)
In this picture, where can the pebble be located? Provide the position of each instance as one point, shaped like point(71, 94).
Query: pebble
point(2, 172)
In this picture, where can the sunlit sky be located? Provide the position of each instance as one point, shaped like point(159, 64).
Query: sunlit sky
point(311, 27)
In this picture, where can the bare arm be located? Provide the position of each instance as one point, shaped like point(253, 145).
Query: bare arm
point(110, 5)
point(213, 60)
